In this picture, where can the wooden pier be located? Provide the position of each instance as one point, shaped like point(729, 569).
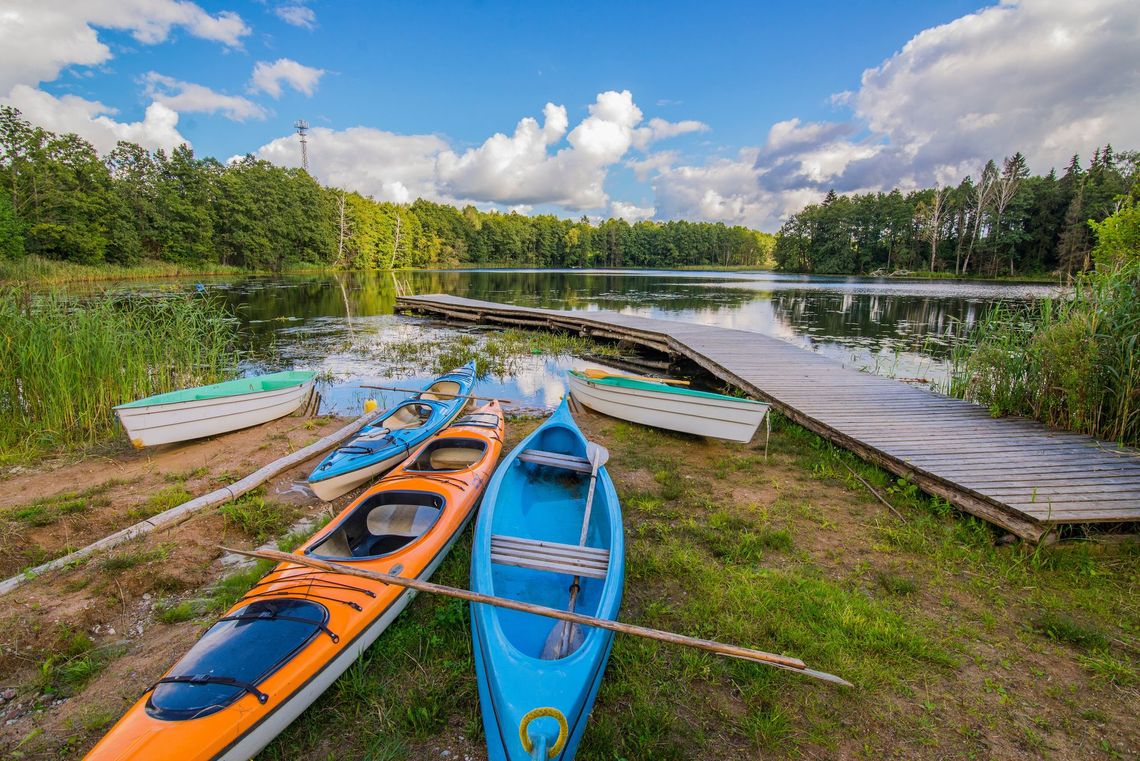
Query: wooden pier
point(1013, 472)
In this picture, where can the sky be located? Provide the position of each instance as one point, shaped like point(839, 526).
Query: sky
point(734, 112)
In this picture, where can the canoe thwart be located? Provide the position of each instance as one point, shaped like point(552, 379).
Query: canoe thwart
point(557, 460)
point(570, 559)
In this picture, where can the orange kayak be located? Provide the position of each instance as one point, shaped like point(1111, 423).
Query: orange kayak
point(274, 652)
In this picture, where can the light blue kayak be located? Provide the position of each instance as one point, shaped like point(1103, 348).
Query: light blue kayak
point(384, 443)
point(538, 681)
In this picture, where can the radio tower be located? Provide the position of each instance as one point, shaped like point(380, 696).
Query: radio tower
point(303, 130)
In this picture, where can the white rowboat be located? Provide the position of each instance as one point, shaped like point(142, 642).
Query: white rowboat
point(675, 409)
point(194, 413)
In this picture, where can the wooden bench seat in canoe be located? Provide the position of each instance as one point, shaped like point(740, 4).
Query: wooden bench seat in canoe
point(570, 559)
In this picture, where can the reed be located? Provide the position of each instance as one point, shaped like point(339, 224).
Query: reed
point(67, 361)
point(1068, 362)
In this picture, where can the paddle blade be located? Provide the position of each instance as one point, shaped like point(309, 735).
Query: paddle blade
point(597, 455)
point(551, 651)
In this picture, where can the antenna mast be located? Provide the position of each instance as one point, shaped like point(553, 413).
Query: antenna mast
point(303, 130)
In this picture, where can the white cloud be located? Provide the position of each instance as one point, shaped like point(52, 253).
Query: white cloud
point(39, 38)
point(631, 212)
point(652, 164)
point(91, 119)
point(297, 15)
point(1047, 78)
point(385, 165)
point(547, 163)
point(659, 129)
point(268, 77)
point(187, 97)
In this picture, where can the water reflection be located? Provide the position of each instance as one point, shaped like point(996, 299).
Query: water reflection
point(334, 322)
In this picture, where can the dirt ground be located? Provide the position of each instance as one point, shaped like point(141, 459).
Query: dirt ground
point(114, 603)
point(993, 687)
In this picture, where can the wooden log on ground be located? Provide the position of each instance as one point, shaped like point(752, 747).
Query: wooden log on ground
point(183, 512)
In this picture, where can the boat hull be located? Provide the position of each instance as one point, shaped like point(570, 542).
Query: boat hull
point(715, 416)
point(344, 469)
point(157, 424)
point(524, 501)
point(356, 611)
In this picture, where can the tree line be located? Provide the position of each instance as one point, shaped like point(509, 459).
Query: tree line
point(1005, 222)
point(60, 199)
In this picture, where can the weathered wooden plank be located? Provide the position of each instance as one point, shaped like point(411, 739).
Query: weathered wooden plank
point(997, 469)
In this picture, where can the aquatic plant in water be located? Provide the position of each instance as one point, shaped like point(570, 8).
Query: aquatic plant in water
point(65, 362)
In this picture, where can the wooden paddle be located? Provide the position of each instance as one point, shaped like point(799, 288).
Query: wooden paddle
point(593, 372)
point(560, 638)
point(442, 393)
point(733, 651)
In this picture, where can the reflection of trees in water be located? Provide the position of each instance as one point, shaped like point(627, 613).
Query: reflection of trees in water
point(916, 321)
point(576, 290)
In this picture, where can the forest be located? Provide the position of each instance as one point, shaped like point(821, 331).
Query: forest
point(63, 201)
point(1006, 222)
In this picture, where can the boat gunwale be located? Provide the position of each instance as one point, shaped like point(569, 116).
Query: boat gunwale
point(628, 384)
point(154, 399)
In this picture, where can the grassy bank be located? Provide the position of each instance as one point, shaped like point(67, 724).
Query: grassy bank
point(36, 269)
point(68, 361)
point(958, 648)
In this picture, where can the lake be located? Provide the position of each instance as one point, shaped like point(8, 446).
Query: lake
point(340, 323)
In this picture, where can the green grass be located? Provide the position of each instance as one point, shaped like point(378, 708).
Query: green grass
point(1064, 628)
point(127, 559)
point(71, 661)
point(159, 502)
point(68, 361)
point(35, 269)
point(256, 517)
point(44, 512)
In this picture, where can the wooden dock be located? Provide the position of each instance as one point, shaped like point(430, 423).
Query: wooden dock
point(1016, 473)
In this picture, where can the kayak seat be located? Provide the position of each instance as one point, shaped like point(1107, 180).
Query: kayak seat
point(380, 524)
point(448, 454)
point(539, 555)
point(556, 460)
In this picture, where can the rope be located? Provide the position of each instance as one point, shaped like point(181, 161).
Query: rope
point(553, 713)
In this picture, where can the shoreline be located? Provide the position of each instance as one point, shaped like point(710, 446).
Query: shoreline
point(940, 625)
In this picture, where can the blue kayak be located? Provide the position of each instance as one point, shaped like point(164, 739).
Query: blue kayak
point(538, 678)
point(384, 443)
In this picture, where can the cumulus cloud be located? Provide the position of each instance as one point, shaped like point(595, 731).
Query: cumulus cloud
point(631, 212)
point(297, 15)
point(92, 120)
point(269, 77)
point(188, 97)
point(38, 39)
point(1047, 78)
point(538, 163)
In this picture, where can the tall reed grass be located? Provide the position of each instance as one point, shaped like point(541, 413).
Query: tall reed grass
point(65, 361)
point(35, 269)
point(1068, 362)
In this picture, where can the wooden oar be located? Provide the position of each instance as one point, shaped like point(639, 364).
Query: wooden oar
point(558, 641)
point(733, 651)
point(442, 393)
point(593, 372)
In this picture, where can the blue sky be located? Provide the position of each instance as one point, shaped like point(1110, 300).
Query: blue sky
point(758, 109)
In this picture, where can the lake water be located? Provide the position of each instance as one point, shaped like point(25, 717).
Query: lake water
point(340, 323)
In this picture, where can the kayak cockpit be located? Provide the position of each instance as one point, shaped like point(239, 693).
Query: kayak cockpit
point(235, 655)
point(380, 525)
point(450, 454)
point(443, 390)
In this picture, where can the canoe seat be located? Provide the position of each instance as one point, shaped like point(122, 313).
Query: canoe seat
point(556, 460)
point(570, 559)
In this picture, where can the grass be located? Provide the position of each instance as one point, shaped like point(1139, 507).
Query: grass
point(1064, 628)
point(256, 517)
point(127, 559)
point(159, 502)
point(36, 269)
point(68, 361)
point(49, 510)
point(1069, 362)
point(72, 660)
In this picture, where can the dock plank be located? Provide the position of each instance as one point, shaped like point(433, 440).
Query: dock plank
point(1014, 472)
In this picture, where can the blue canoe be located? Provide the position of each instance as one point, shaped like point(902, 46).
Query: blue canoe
point(527, 548)
point(384, 443)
